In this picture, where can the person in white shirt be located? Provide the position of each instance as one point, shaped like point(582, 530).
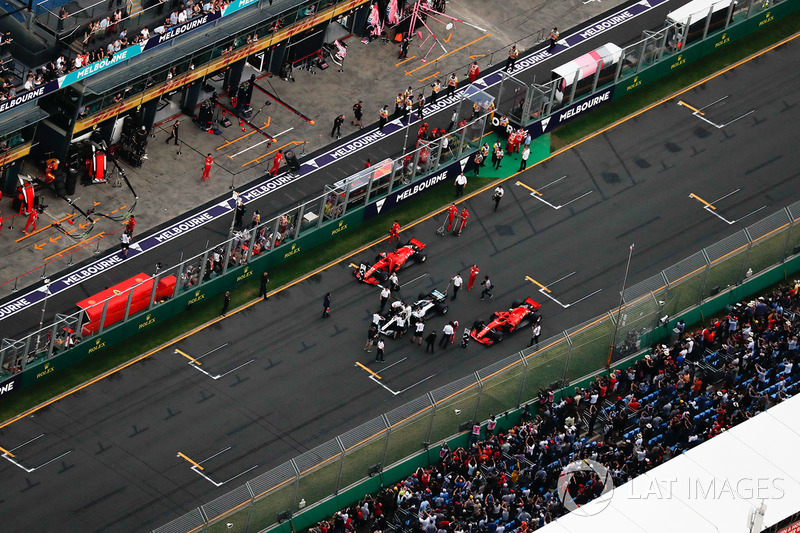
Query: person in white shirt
point(379, 354)
point(526, 152)
point(418, 329)
point(400, 325)
point(126, 242)
point(447, 335)
point(536, 330)
point(457, 283)
point(461, 183)
point(497, 196)
point(385, 294)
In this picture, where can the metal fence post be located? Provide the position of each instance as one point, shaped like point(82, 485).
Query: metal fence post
point(524, 380)
point(433, 417)
point(703, 284)
point(300, 215)
point(549, 108)
point(750, 8)
point(274, 235)
point(503, 78)
point(321, 216)
point(178, 276)
point(347, 189)
point(128, 304)
point(474, 416)
point(743, 273)
point(394, 173)
point(369, 187)
point(788, 232)
point(103, 316)
point(341, 465)
point(463, 141)
point(575, 81)
point(597, 75)
point(438, 147)
point(79, 327)
point(640, 61)
point(386, 440)
point(249, 507)
point(526, 106)
point(52, 342)
point(296, 483)
point(156, 280)
point(618, 73)
point(685, 36)
point(225, 260)
point(569, 355)
point(729, 15)
point(708, 22)
point(252, 243)
point(415, 164)
point(660, 47)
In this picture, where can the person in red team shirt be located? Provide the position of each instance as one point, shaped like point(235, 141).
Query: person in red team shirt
point(463, 224)
point(207, 168)
point(451, 214)
point(394, 232)
point(473, 274)
point(276, 162)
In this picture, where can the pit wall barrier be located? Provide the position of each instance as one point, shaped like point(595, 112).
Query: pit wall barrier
point(540, 109)
point(49, 360)
point(762, 15)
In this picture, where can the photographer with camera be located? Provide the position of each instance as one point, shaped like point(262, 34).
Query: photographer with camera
point(498, 194)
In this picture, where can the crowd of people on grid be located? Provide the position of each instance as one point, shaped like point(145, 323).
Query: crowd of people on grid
point(630, 420)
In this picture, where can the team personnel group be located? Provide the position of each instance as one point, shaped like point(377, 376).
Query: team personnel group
point(404, 317)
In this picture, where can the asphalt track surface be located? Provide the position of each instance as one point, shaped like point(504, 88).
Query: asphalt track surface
point(311, 185)
point(104, 459)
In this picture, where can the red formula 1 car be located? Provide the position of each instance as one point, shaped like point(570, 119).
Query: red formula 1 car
point(521, 314)
point(386, 263)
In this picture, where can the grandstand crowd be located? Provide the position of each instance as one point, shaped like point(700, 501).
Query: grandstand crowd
point(674, 398)
point(100, 39)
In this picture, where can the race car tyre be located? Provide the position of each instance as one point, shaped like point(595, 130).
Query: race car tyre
point(478, 325)
point(381, 276)
point(443, 309)
point(422, 296)
point(495, 336)
point(420, 258)
point(516, 303)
